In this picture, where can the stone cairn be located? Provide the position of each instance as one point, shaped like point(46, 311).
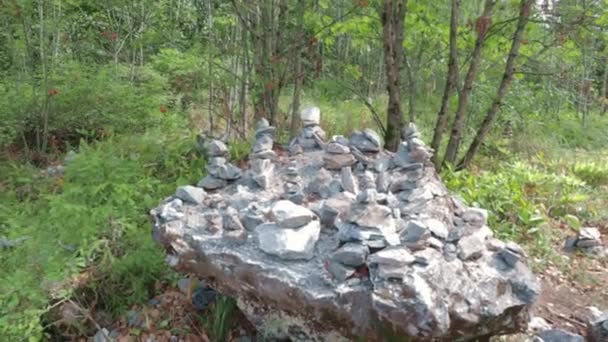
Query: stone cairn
point(312, 135)
point(262, 155)
point(589, 242)
point(219, 170)
point(340, 237)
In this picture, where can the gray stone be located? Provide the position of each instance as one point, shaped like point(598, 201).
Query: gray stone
point(587, 243)
point(261, 124)
point(335, 206)
point(338, 271)
point(231, 220)
point(338, 161)
point(340, 139)
point(290, 215)
point(410, 131)
point(336, 148)
point(351, 254)
point(212, 183)
point(264, 143)
point(367, 196)
point(470, 248)
point(229, 172)
point(190, 194)
point(310, 116)
point(597, 330)
point(288, 244)
point(295, 148)
point(349, 182)
point(372, 136)
point(475, 216)
point(556, 335)
point(262, 172)
point(402, 184)
point(216, 148)
point(382, 164)
point(373, 216)
point(509, 257)
point(414, 231)
point(367, 180)
point(266, 131)
point(363, 143)
point(382, 182)
point(392, 256)
point(250, 221)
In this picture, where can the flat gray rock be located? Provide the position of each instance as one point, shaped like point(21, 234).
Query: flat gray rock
point(351, 254)
point(191, 194)
point(212, 183)
point(338, 161)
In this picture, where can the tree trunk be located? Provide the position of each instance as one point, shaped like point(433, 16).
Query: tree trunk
point(483, 23)
point(411, 89)
point(604, 97)
point(525, 8)
point(450, 84)
point(297, 77)
point(393, 15)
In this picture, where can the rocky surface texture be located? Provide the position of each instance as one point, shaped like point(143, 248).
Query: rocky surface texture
point(341, 239)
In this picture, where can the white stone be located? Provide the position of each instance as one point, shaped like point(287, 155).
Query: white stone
point(438, 228)
point(290, 215)
point(470, 247)
point(310, 116)
point(288, 244)
point(392, 256)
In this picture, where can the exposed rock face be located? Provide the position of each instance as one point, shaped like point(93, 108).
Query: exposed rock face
point(315, 251)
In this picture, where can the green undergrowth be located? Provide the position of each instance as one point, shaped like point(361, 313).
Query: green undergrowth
point(531, 200)
point(94, 219)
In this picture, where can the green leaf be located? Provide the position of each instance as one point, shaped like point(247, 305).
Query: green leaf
point(573, 221)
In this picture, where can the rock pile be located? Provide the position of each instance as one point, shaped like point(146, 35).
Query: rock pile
point(262, 155)
point(589, 242)
point(219, 170)
point(315, 249)
point(312, 135)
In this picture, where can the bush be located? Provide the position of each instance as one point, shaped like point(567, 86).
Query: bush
point(85, 101)
point(521, 198)
point(94, 218)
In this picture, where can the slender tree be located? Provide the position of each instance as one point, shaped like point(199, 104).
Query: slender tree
point(482, 26)
point(393, 17)
point(525, 8)
point(450, 85)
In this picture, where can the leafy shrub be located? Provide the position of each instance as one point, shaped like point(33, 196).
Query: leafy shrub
point(95, 217)
point(521, 198)
point(592, 173)
point(85, 101)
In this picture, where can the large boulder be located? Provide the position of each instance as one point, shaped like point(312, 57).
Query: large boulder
point(351, 260)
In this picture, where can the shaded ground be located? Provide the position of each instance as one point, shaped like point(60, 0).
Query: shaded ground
point(569, 288)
